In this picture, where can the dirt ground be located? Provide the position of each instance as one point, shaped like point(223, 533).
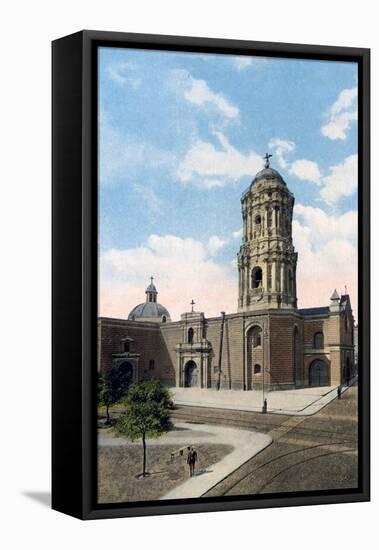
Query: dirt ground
point(118, 467)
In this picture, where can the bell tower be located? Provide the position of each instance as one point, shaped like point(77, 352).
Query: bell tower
point(267, 259)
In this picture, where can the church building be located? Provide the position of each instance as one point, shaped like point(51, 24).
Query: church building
point(268, 342)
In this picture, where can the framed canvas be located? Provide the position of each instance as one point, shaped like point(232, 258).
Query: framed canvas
point(210, 275)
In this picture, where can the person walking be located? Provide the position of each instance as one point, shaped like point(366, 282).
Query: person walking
point(191, 460)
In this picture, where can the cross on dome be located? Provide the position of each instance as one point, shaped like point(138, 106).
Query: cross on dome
point(267, 159)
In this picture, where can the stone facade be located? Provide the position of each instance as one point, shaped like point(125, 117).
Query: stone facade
point(269, 341)
point(267, 260)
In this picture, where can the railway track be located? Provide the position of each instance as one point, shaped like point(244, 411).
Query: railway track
point(267, 424)
point(273, 468)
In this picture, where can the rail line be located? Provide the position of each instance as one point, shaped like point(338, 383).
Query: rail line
point(276, 459)
point(301, 462)
point(256, 426)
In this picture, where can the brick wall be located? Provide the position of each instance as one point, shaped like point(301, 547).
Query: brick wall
point(282, 360)
point(286, 364)
point(147, 341)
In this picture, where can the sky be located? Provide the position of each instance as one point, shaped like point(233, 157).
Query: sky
point(181, 136)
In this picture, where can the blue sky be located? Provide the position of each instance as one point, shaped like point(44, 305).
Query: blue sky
point(181, 137)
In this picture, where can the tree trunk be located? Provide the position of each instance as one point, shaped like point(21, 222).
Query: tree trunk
point(144, 456)
point(108, 417)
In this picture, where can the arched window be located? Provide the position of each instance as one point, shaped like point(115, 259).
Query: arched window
point(164, 319)
point(257, 369)
point(190, 335)
point(127, 346)
point(318, 340)
point(256, 337)
point(256, 277)
point(257, 220)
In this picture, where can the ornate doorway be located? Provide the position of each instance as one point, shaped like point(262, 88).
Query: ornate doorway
point(318, 373)
point(191, 373)
point(125, 370)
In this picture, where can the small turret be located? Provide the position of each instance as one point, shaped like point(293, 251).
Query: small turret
point(151, 292)
point(334, 302)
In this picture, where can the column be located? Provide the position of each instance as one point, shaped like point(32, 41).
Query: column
point(273, 276)
point(265, 283)
point(241, 281)
point(282, 278)
point(178, 380)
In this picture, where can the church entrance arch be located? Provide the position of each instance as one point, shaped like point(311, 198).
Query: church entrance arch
point(318, 373)
point(191, 374)
point(125, 370)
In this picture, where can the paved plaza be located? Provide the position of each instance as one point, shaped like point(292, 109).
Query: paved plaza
point(302, 402)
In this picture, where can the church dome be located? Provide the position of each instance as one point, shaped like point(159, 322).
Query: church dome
point(150, 310)
point(268, 173)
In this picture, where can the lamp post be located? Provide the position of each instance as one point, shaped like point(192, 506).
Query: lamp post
point(220, 352)
point(264, 400)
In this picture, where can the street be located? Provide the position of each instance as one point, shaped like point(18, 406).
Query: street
point(308, 453)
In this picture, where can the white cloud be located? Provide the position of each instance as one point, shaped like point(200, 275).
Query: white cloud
point(341, 114)
point(327, 248)
point(342, 180)
point(306, 170)
point(211, 183)
point(120, 74)
point(183, 269)
point(324, 227)
point(303, 169)
point(198, 92)
point(241, 62)
point(281, 147)
point(237, 234)
point(203, 163)
point(215, 244)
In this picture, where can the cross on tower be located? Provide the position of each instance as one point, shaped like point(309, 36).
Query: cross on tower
point(267, 159)
point(192, 304)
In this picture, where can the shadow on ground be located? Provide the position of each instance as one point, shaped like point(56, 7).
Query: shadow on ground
point(42, 497)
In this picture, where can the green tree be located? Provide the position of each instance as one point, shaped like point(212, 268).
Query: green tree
point(104, 395)
point(113, 386)
point(147, 415)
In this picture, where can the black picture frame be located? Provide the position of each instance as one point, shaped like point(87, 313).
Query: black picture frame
point(74, 271)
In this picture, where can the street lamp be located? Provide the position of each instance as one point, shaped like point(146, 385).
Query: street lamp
point(264, 400)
